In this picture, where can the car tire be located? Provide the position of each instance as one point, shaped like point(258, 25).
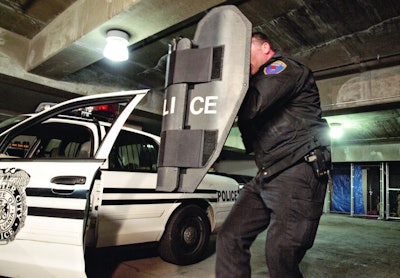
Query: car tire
point(186, 236)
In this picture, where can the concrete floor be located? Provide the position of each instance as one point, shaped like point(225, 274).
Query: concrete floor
point(345, 247)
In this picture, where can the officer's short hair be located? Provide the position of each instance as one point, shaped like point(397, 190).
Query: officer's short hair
point(260, 36)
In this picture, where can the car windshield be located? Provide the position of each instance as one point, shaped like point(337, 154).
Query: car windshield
point(7, 123)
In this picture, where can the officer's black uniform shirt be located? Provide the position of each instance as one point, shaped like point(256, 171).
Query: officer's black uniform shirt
point(280, 118)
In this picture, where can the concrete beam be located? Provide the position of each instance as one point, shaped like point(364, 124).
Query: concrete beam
point(76, 38)
point(13, 47)
point(361, 90)
point(366, 152)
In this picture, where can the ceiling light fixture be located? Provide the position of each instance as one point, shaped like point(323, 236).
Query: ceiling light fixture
point(116, 48)
point(336, 130)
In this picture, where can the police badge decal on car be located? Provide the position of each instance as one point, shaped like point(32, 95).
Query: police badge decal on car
point(13, 208)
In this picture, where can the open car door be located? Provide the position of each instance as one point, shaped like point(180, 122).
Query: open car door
point(44, 202)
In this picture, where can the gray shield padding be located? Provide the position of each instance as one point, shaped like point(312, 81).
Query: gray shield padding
point(207, 79)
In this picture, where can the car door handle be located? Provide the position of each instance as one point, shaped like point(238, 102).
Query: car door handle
point(68, 180)
point(66, 184)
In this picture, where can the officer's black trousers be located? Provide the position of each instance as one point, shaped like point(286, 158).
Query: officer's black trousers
point(289, 205)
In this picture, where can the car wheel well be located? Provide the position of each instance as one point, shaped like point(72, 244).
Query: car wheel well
point(186, 235)
point(204, 205)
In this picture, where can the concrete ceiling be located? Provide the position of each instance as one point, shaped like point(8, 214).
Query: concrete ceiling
point(62, 41)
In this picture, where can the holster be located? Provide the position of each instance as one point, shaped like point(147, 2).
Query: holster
point(320, 160)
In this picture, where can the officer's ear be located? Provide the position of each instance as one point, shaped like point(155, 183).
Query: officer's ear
point(266, 48)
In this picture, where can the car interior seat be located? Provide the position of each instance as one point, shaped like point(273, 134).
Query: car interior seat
point(85, 150)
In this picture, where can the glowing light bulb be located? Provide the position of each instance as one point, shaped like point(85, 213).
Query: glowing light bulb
point(336, 130)
point(116, 48)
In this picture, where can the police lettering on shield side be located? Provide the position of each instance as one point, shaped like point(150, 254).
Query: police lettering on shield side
point(198, 105)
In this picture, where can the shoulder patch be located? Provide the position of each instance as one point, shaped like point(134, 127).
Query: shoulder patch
point(275, 68)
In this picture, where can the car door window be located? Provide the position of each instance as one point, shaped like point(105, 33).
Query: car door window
point(53, 140)
point(133, 152)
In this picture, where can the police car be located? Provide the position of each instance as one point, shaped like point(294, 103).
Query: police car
point(70, 179)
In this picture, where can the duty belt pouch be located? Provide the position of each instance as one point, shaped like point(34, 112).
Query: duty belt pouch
point(320, 161)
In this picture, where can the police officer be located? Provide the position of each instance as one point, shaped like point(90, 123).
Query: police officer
point(280, 121)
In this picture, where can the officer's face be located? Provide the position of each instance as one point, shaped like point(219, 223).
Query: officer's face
point(259, 55)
